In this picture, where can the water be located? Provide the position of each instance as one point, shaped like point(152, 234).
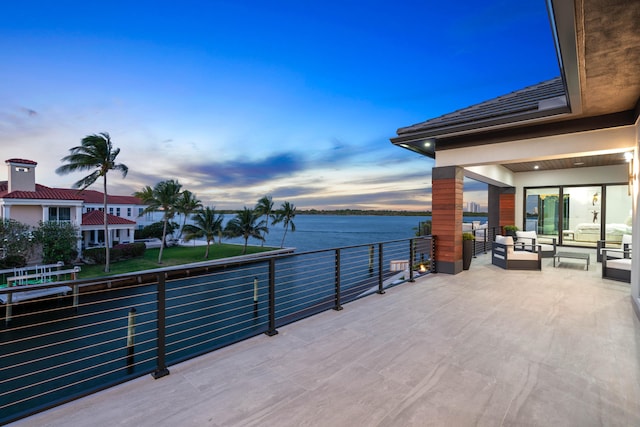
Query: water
point(314, 232)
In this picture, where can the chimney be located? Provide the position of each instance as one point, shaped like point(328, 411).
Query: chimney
point(22, 175)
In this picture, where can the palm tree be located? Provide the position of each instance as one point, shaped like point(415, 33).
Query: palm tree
point(95, 153)
point(187, 203)
point(265, 208)
point(246, 224)
point(164, 196)
point(206, 223)
point(285, 215)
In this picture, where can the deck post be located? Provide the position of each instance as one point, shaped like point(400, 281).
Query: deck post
point(380, 272)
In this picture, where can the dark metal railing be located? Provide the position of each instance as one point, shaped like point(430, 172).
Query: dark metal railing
point(106, 331)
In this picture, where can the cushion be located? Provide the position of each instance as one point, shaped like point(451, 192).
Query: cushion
point(523, 255)
point(526, 237)
point(620, 264)
point(626, 239)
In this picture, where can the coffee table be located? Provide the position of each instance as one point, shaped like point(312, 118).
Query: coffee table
point(571, 255)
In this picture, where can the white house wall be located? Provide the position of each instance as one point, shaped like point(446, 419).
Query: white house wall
point(635, 267)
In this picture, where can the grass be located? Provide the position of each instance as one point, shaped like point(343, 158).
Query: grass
point(174, 255)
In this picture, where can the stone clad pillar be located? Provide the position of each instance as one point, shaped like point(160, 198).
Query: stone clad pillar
point(446, 217)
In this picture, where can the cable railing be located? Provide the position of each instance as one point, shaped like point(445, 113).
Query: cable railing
point(109, 330)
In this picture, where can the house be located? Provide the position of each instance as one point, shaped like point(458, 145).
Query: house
point(561, 156)
point(25, 201)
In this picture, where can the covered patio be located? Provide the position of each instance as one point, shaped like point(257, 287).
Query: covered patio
point(484, 347)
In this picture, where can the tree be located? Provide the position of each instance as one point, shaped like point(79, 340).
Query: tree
point(285, 215)
point(265, 208)
point(187, 203)
point(164, 196)
point(245, 225)
point(95, 153)
point(206, 223)
point(58, 240)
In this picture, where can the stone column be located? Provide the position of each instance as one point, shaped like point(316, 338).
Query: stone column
point(446, 216)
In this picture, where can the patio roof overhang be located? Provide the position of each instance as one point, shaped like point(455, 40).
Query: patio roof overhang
point(598, 49)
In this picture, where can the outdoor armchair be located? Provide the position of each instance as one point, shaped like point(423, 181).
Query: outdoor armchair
point(616, 268)
point(505, 255)
point(529, 240)
point(622, 249)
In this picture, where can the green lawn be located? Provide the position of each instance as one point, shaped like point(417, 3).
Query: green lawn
point(174, 255)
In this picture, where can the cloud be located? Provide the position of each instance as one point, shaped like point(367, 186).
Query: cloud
point(246, 172)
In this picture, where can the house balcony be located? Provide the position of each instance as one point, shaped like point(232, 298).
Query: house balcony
point(488, 346)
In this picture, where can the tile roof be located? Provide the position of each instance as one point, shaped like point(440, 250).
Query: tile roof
point(540, 99)
point(42, 192)
point(97, 218)
point(22, 161)
point(48, 193)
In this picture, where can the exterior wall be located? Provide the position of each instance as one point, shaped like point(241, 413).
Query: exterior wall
point(30, 215)
point(507, 208)
point(635, 266)
point(446, 216)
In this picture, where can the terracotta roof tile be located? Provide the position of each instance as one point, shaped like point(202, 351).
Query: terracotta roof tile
point(97, 218)
point(48, 193)
point(22, 161)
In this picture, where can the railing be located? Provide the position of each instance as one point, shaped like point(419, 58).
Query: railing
point(484, 238)
point(112, 330)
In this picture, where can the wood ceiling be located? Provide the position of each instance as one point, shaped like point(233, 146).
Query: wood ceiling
point(568, 163)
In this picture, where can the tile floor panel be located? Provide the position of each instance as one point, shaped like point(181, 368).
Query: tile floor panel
point(486, 347)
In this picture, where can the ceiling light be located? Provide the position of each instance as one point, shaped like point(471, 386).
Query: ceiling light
point(578, 164)
point(536, 167)
point(628, 156)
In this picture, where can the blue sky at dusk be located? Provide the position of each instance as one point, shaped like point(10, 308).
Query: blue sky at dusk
point(237, 99)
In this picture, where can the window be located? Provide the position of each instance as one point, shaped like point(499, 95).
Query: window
point(140, 210)
point(117, 211)
point(110, 211)
point(129, 212)
point(60, 214)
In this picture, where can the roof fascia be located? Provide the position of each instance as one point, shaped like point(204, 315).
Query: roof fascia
point(562, 17)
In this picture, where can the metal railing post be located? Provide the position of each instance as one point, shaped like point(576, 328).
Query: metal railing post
point(161, 366)
point(272, 298)
point(434, 268)
point(412, 254)
point(337, 305)
point(380, 261)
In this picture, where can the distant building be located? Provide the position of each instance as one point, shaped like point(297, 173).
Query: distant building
point(25, 201)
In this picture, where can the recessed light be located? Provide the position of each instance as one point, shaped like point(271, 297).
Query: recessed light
point(536, 167)
point(578, 164)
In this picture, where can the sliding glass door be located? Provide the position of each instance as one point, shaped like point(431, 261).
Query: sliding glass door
point(579, 215)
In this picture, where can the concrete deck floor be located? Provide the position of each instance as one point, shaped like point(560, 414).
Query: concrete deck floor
point(486, 347)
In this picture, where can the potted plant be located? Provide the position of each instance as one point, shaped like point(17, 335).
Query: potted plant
point(467, 249)
point(510, 230)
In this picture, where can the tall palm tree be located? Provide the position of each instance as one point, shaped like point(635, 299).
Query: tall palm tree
point(246, 224)
point(206, 223)
point(265, 208)
point(95, 153)
point(285, 215)
point(187, 203)
point(164, 196)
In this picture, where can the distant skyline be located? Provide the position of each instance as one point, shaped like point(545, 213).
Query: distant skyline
point(241, 99)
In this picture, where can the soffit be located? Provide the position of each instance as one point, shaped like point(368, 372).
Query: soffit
point(568, 163)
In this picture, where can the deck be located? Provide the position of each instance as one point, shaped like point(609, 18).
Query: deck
point(485, 347)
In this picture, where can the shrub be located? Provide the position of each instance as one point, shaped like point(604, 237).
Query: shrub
point(11, 261)
point(118, 252)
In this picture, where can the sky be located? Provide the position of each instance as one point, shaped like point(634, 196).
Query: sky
point(241, 99)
